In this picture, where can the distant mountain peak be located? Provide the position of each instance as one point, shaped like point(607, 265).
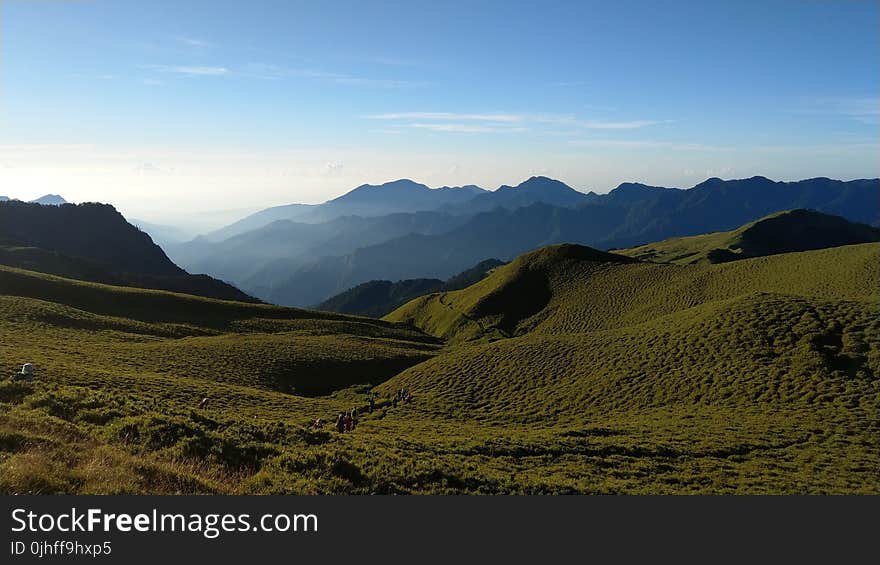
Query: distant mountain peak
point(50, 200)
point(542, 182)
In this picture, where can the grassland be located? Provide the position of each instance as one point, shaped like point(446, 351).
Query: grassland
point(567, 371)
point(782, 232)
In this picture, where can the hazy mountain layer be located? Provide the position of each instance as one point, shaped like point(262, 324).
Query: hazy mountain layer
point(307, 263)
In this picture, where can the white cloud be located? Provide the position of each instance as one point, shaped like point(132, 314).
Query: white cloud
point(644, 144)
point(633, 124)
point(151, 169)
point(864, 109)
point(194, 42)
point(448, 116)
point(457, 128)
point(465, 128)
point(190, 70)
point(375, 82)
point(490, 122)
point(152, 82)
point(334, 168)
point(272, 71)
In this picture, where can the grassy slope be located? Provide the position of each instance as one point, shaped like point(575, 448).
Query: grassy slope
point(621, 377)
point(754, 376)
point(120, 370)
point(783, 232)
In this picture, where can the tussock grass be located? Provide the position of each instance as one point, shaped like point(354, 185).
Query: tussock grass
point(567, 371)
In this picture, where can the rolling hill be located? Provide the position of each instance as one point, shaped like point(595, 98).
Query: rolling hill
point(783, 232)
point(570, 370)
point(761, 371)
point(575, 289)
point(93, 242)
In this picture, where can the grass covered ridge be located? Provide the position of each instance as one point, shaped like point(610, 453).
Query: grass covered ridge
point(567, 371)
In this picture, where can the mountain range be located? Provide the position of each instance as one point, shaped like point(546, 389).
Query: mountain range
point(47, 200)
point(301, 255)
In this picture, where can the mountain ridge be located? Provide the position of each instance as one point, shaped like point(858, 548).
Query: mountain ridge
point(94, 242)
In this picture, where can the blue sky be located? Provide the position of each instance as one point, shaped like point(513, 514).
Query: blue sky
point(166, 108)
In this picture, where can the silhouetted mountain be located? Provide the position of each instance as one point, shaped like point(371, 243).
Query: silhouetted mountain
point(628, 216)
point(49, 200)
point(400, 196)
point(716, 205)
point(501, 233)
point(266, 255)
point(377, 298)
point(4, 198)
point(94, 242)
point(534, 190)
point(257, 220)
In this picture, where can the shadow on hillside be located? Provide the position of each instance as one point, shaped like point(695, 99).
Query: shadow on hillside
point(321, 379)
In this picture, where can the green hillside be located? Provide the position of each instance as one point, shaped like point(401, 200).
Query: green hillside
point(783, 232)
point(573, 289)
point(569, 370)
point(754, 376)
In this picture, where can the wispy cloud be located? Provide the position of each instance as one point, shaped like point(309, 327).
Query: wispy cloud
point(448, 116)
point(194, 42)
point(189, 70)
point(502, 122)
point(598, 124)
point(645, 144)
point(465, 128)
point(271, 71)
point(376, 82)
point(864, 109)
point(633, 124)
point(388, 61)
point(151, 82)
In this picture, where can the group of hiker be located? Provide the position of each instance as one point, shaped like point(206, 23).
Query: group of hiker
point(402, 395)
point(346, 421)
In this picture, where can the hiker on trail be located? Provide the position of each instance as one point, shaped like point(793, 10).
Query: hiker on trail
point(203, 404)
point(407, 398)
point(26, 374)
point(318, 423)
point(340, 422)
point(354, 417)
point(372, 401)
point(394, 401)
point(346, 422)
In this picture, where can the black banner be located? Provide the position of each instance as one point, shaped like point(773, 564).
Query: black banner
point(223, 529)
